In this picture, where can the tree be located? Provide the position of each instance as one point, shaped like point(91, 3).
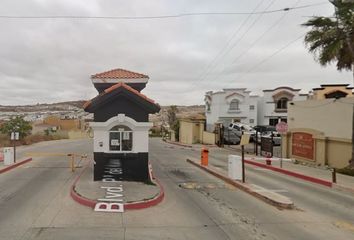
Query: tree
point(331, 39)
point(16, 124)
point(172, 120)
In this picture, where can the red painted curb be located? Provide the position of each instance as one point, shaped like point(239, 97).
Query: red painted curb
point(243, 187)
point(148, 203)
point(15, 165)
point(128, 206)
point(77, 197)
point(290, 173)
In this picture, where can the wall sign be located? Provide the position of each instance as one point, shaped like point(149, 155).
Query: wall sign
point(115, 142)
point(303, 145)
point(266, 147)
point(126, 135)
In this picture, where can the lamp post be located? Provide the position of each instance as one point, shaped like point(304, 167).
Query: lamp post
point(15, 135)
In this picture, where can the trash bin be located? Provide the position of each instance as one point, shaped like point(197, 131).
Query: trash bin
point(8, 155)
point(235, 167)
point(204, 156)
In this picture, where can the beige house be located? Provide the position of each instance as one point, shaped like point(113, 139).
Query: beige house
point(320, 130)
point(191, 131)
point(63, 124)
point(331, 91)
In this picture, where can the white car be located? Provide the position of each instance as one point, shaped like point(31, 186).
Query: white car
point(238, 128)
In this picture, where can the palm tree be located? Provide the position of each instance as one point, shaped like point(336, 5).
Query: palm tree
point(331, 39)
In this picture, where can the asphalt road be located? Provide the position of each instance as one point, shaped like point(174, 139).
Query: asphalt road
point(35, 203)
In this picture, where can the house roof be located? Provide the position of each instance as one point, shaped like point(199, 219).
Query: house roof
point(323, 86)
point(119, 74)
point(115, 87)
point(283, 87)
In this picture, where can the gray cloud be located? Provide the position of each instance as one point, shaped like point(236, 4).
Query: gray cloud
point(51, 60)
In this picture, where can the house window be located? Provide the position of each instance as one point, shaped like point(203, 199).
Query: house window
point(336, 94)
point(120, 139)
point(273, 121)
point(234, 105)
point(251, 120)
point(251, 107)
point(282, 103)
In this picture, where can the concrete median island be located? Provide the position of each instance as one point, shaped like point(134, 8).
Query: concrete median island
point(265, 195)
point(115, 195)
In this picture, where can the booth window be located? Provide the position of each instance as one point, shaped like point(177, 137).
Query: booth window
point(120, 139)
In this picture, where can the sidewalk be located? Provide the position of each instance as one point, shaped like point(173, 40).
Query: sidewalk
point(135, 195)
point(344, 182)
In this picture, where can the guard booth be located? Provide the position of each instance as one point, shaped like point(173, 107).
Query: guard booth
point(121, 124)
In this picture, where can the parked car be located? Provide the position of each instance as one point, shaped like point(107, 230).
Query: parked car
point(238, 128)
point(231, 137)
point(264, 128)
point(268, 134)
point(276, 137)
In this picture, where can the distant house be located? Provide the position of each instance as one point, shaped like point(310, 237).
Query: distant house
point(273, 105)
point(62, 123)
point(191, 129)
point(331, 91)
point(230, 105)
point(41, 128)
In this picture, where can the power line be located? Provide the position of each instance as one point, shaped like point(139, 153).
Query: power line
point(262, 35)
point(180, 15)
point(221, 52)
point(242, 36)
point(259, 38)
point(272, 55)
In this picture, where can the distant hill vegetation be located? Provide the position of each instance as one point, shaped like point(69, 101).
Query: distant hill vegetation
point(61, 106)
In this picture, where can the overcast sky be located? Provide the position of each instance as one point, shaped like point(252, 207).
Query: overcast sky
point(51, 60)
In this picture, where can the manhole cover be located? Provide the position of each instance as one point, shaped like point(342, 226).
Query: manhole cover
point(189, 185)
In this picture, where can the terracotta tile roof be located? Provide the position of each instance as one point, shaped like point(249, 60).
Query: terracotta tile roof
point(119, 74)
point(118, 85)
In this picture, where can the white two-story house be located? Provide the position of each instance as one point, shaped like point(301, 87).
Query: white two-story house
point(273, 105)
point(230, 105)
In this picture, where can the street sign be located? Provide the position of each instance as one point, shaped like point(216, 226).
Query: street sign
point(281, 127)
point(15, 135)
point(245, 139)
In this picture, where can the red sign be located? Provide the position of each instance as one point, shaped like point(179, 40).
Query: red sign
point(302, 145)
point(281, 127)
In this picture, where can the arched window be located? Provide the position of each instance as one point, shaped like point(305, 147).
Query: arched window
point(282, 103)
point(120, 139)
point(234, 104)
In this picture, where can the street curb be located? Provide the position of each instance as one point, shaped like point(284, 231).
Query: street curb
point(244, 188)
point(290, 173)
point(188, 145)
point(15, 165)
point(77, 197)
point(342, 188)
point(177, 143)
point(147, 203)
point(127, 206)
